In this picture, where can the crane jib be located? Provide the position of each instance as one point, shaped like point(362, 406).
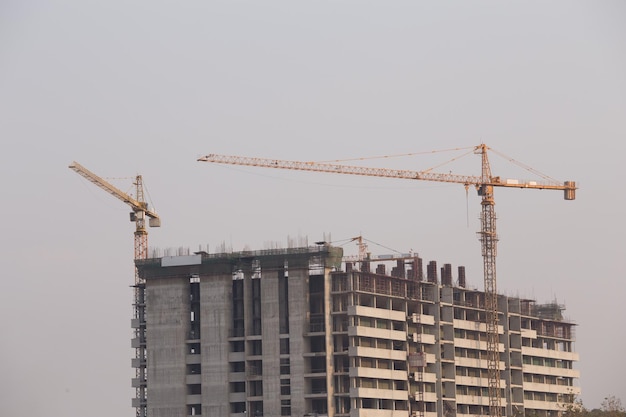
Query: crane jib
point(488, 236)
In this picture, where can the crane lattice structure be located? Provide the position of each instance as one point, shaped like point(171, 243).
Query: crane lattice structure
point(484, 184)
point(138, 216)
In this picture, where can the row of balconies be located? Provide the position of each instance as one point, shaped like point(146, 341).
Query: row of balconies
point(551, 354)
point(546, 370)
point(551, 388)
point(474, 325)
point(379, 393)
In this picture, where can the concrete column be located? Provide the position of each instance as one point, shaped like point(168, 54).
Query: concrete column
point(270, 342)
point(167, 318)
point(215, 321)
point(298, 285)
point(329, 343)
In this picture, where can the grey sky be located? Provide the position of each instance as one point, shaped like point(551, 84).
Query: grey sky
point(147, 87)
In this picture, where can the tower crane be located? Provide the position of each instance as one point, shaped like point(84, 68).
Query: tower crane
point(484, 184)
point(138, 216)
point(138, 204)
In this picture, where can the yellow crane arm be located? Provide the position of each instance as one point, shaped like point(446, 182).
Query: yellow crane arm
point(137, 206)
point(569, 186)
point(138, 216)
point(488, 237)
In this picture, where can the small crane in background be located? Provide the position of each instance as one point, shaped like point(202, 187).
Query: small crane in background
point(484, 184)
point(138, 204)
point(138, 216)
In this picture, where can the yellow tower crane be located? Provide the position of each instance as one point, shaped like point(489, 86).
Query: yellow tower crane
point(138, 204)
point(484, 184)
point(138, 215)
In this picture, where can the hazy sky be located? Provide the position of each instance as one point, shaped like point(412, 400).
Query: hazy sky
point(127, 87)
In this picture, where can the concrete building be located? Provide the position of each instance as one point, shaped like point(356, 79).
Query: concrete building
point(298, 332)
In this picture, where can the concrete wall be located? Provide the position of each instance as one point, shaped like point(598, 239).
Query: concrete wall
point(215, 323)
point(167, 318)
point(298, 308)
point(271, 343)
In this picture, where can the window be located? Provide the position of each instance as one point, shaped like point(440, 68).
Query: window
point(367, 362)
point(194, 389)
point(237, 346)
point(238, 387)
point(285, 407)
point(366, 342)
point(255, 368)
point(285, 387)
point(256, 388)
point(367, 383)
point(237, 408)
point(400, 385)
point(194, 369)
point(318, 344)
point(383, 344)
point(384, 384)
point(237, 367)
point(255, 348)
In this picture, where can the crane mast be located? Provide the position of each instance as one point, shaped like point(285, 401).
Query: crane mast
point(488, 237)
point(489, 240)
point(138, 216)
point(141, 234)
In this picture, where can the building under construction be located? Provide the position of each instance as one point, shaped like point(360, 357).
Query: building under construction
point(302, 332)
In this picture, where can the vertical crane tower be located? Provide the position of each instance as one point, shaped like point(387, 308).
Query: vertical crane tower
point(138, 216)
point(484, 184)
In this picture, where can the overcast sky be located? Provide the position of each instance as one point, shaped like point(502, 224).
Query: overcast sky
point(128, 87)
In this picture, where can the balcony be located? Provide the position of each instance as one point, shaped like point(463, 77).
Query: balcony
point(423, 319)
point(194, 399)
point(385, 394)
point(427, 339)
point(551, 388)
point(425, 377)
point(547, 370)
point(552, 354)
point(137, 402)
point(194, 379)
point(378, 313)
point(429, 397)
point(191, 359)
point(378, 373)
point(475, 344)
point(475, 400)
point(542, 405)
point(369, 352)
point(376, 333)
point(475, 363)
point(476, 381)
point(138, 382)
point(474, 325)
point(237, 397)
point(370, 412)
point(137, 342)
point(138, 363)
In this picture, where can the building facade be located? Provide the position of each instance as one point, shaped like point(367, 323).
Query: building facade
point(299, 332)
